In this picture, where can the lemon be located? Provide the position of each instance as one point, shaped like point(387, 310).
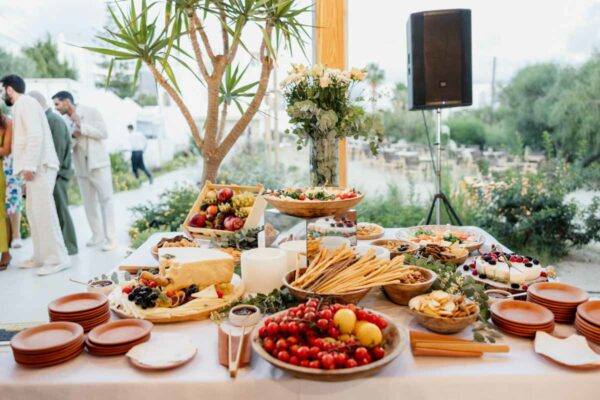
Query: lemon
point(369, 335)
point(358, 325)
point(344, 320)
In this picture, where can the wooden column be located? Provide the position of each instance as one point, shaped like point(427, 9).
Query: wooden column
point(330, 39)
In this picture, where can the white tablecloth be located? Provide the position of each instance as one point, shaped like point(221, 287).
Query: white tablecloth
point(520, 374)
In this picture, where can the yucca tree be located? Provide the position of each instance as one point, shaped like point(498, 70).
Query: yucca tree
point(142, 35)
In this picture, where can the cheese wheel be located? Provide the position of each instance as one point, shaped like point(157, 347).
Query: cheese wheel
point(186, 266)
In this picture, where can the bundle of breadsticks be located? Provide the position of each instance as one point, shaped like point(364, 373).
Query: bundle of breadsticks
point(343, 270)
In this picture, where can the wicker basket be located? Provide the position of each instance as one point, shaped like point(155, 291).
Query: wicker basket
point(312, 208)
point(252, 220)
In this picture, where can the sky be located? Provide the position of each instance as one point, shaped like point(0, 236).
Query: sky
point(516, 32)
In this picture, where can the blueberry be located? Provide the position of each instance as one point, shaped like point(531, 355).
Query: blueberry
point(466, 267)
point(514, 285)
point(492, 262)
point(131, 297)
point(536, 262)
point(528, 265)
point(138, 301)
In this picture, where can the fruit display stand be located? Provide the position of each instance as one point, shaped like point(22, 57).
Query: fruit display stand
point(251, 221)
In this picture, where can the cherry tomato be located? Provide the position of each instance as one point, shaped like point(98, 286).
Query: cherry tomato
point(293, 328)
point(320, 343)
point(283, 327)
point(315, 364)
point(323, 323)
point(381, 323)
point(310, 316)
point(273, 328)
point(310, 309)
point(321, 354)
point(294, 360)
point(361, 315)
point(340, 359)
point(292, 340)
point(305, 363)
point(303, 352)
point(327, 361)
point(314, 350)
point(268, 321)
point(352, 307)
point(262, 332)
point(269, 345)
point(364, 360)
point(312, 303)
point(333, 332)
point(326, 314)
point(151, 284)
point(281, 344)
point(377, 352)
point(127, 289)
point(302, 197)
point(372, 318)
point(361, 352)
point(291, 314)
point(283, 356)
point(351, 363)
point(294, 349)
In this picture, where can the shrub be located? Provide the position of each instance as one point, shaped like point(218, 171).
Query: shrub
point(165, 215)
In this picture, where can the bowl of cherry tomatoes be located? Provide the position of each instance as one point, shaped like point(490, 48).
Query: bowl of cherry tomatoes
point(322, 341)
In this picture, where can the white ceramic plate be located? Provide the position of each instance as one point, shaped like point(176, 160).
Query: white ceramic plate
point(162, 351)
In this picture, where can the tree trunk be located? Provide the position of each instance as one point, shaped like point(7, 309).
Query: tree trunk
point(210, 168)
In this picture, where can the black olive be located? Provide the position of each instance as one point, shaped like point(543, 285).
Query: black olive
point(483, 276)
point(528, 265)
point(465, 267)
point(514, 285)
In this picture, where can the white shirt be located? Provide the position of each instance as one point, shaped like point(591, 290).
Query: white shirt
point(138, 141)
point(32, 145)
point(89, 152)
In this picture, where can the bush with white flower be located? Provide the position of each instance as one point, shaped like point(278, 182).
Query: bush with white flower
point(321, 112)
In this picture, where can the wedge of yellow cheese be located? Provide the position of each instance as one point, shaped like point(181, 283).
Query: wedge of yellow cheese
point(185, 266)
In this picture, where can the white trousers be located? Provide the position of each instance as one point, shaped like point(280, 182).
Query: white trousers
point(48, 244)
point(97, 192)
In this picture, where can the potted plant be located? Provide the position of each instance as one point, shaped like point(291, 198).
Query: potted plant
point(145, 35)
point(322, 111)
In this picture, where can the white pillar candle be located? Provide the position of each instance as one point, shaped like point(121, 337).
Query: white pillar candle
point(296, 253)
point(263, 269)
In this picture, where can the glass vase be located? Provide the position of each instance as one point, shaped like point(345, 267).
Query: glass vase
point(324, 161)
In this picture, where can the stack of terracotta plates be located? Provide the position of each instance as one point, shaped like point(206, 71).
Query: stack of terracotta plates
point(521, 318)
point(560, 298)
point(48, 344)
point(587, 321)
point(86, 309)
point(117, 337)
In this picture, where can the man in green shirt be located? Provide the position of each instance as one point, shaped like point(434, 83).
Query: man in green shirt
point(62, 144)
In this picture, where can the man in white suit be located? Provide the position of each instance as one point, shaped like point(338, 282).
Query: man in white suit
point(92, 167)
point(35, 160)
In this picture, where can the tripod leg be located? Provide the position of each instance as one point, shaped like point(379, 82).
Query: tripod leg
point(450, 210)
point(435, 198)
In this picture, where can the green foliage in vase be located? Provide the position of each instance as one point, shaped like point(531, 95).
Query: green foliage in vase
point(320, 105)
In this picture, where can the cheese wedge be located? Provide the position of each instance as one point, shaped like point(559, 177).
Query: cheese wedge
point(207, 293)
point(186, 266)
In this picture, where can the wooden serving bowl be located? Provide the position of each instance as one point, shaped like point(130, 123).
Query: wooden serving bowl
point(301, 295)
point(395, 341)
point(412, 248)
point(401, 293)
point(444, 324)
point(312, 208)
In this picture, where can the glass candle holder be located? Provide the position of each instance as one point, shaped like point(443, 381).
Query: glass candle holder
point(263, 269)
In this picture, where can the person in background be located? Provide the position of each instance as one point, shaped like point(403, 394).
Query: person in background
point(92, 167)
point(14, 201)
point(36, 162)
point(5, 148)
point(138, 145)
point(62, 144)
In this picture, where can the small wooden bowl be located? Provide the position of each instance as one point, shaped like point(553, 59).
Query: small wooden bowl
point(401, 293)
point(302, 295)
point(460, 260)
point(395, 342)
point(412, 248)
point(444, 324)
point(162, 241)
point(312, 209)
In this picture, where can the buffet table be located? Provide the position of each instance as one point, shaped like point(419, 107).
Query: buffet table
point(520, 374)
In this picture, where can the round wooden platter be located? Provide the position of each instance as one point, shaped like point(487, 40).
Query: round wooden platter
point(395, 342)
point(406, 234)
point(379, 231)
point(312, 208)
point(237, 293)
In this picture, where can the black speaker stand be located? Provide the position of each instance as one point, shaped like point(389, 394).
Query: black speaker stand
point(440, 198)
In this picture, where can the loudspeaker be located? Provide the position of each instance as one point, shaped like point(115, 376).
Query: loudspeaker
point(439, 59)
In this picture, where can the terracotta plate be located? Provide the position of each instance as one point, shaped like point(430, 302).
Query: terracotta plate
point(590, 311)
point(558, 292)
point(78, 303)
point(47, 357)
point(113, 350)
point(79, 316)
point(47, 337)
point(520, 325)
point(550, 304)
point(587, 325)
point(61, 360)
point(120, 332)
point(522, 329)
point(585, 332)
point(522, 312)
